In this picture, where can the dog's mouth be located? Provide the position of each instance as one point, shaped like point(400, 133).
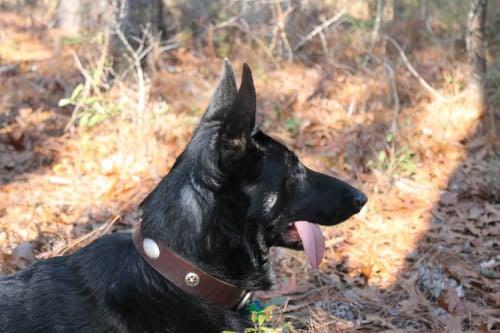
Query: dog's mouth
point(303, 235)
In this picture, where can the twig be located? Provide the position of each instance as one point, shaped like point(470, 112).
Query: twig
point(396, 108)
point(243, 26)
point(168, 47)
point(334, 20)
point(413, 71)
point(282, 18)
point(324, 44)
point(102, 230)
point(101, 63)
point(392, 82)
point(433, 36)
point(85, 93)
point(227, 23)
point(137, 57)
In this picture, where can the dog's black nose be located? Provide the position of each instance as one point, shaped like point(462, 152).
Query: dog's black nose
point(359, 200)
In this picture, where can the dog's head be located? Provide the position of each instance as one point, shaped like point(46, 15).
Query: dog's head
point(235, 192)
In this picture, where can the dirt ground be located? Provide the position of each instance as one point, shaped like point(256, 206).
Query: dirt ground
point(424, 255)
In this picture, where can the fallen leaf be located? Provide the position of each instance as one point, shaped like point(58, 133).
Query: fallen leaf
point(453, 325)
point(18, 140)
point(366, 272)
point(475, 212)
point(451, 302)
point(448, 198)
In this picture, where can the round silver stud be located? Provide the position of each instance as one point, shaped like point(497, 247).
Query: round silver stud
point(192, 279)
point(151, 248)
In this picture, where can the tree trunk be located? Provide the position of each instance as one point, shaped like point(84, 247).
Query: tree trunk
point(137, 20)
point(476, 49)
point(423, 7)
point(69, 16)
point(77, 16)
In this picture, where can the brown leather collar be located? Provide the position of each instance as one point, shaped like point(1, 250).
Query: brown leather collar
point(186, 276)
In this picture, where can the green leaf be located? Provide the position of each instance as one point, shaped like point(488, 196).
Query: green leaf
point(262, 318)
point(292, 126)
point(84, 119)
point(381, 156)
point(64, 102)
point(253, 316)
point(76, 92)
point(90, 101)
point(95, 75)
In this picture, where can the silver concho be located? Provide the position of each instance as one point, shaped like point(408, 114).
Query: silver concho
point(192, 279)
point(151, 248)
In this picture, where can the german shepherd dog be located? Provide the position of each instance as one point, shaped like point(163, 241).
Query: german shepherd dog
point(232, 194)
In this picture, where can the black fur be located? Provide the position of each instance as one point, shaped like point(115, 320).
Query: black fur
point(229, 197)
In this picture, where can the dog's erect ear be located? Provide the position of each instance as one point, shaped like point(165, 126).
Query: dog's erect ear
point(237, 127)
point(224, 96)
point(246, 99)
point(240, 121)
point(233, 111)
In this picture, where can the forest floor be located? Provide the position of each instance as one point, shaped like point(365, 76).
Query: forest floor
point(423, 255)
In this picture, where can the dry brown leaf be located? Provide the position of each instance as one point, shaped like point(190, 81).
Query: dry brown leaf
point(486, 327)
point(473, 229)
point(454, 325)
point(18, 140)
point(448, 198)
point(366, 272)
point(459, 270)
point(475, 212)
point(451, 302)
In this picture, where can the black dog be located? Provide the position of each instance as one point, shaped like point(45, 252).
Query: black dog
point(231, 195)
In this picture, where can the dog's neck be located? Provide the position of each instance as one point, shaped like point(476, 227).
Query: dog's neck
point(187, 219)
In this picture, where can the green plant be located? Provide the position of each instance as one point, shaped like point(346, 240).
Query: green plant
point(454, 84)
point(356, 23)
point(71, 41)
point(262, 319)
point(394, 161)
point(292, 125)
point(222, 41)
point(91, 108)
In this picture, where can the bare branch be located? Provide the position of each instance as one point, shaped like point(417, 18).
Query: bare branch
point(334, 20)
point(395, 98)
point(412, 70)
point(141, 94)
point(281, 24)
point(243, 26)
point(85, 92)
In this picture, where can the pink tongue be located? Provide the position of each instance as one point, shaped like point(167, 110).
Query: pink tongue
point(313, 241)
